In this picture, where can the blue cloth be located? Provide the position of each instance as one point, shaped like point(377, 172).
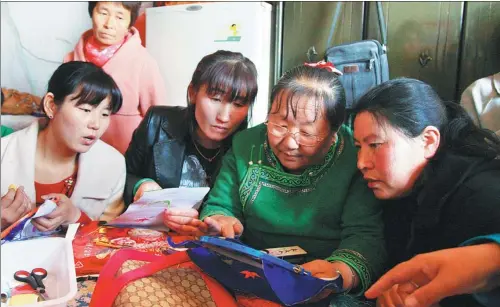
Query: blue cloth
point(491, 298)
point(244, 269)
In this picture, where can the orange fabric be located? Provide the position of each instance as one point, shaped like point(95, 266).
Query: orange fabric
point(65, 186)
point(140, 25)
point(84, 218)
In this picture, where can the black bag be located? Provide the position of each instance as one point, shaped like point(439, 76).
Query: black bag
point(363, 64)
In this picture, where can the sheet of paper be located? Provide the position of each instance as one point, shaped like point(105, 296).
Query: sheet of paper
point(147, 211)
point(46, 208)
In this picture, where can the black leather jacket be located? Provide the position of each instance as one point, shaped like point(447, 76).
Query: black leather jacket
point(161, 134)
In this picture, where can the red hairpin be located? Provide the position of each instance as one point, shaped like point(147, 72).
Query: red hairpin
point(325, 65)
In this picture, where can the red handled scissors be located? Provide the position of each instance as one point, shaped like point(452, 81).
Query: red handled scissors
point(34, 279)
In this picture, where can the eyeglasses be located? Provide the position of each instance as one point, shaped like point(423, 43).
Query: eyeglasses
point(301, 138)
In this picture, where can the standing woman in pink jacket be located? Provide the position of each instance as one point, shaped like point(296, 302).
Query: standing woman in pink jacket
point(115, 45)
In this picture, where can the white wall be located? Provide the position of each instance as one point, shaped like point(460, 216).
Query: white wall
point(35, 37)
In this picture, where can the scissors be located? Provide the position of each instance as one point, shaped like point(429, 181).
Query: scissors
point(34, 279)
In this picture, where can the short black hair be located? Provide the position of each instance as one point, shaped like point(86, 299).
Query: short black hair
point(91, 82)
point(132, 6)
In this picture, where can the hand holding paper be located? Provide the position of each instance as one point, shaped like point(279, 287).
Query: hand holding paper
point(148, 210)
point(184, 221)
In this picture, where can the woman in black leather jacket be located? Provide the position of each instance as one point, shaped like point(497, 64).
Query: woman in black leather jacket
point(177, 146)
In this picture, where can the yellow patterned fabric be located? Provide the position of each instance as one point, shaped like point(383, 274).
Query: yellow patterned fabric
point(171, 287)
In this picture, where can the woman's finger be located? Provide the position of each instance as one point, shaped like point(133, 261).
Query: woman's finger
point(385, 300)
point(228, 230)
point(214, 226)
point(238, 228)
point(18, 201)
point(183, 220)
point(55, 197)
point(395, 296)
point(181, 212)
point(193, 223)
point(58, 212)
point(401, 273)
point(8, 198)
point(20, 210)
point(186, 229)
point(41, 223)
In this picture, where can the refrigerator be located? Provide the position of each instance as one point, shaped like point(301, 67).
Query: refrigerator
point(179, 36)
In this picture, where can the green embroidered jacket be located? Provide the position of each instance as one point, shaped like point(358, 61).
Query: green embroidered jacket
point(327, 210)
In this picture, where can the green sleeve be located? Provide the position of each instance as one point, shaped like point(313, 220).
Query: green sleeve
point(6, 131)
point(224, 197)
point(362, 244)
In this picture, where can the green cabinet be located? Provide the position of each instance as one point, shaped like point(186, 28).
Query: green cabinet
point(446, 44)
point(423, 41)
point(307, 24)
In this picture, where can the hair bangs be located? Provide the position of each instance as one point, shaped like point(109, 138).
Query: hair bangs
point(94, 88)
point(232, 80)
point(291, 97)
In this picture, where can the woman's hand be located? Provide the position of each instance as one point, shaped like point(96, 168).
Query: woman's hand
point(15, 204)
point(146, 187)
point(326, 269)
point(226, 226)
point(396, 296)
point(65, 213)
point(184, 221)
point(442, 273)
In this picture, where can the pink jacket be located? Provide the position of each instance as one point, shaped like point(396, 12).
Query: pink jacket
point(137, 75)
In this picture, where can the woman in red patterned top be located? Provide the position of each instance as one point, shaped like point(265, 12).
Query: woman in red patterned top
point(62, 157)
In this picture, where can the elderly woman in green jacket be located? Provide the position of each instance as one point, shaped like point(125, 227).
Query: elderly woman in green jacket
point(293, 181)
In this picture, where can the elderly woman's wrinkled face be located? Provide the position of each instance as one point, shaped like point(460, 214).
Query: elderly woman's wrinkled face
point(110, 22)
point(309, 135)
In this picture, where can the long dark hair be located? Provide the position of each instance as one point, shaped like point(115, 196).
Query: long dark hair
point(410, 105)
point(229, 73)
point(91, 82)
point(315, 83)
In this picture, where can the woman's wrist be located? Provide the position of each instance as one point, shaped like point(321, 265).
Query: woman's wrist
point(139, 183)
point(349, 276)
point(76, 215)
